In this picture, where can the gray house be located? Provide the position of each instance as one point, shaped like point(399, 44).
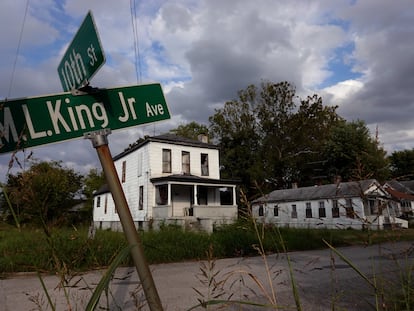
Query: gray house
point(358, 205)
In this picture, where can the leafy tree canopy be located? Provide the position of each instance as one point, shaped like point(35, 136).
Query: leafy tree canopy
point(271, 136)
point(43, 193)
point(402, 164)
point(191, 130)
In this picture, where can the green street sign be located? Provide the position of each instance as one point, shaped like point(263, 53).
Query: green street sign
point(83, 57)
point(35, 121)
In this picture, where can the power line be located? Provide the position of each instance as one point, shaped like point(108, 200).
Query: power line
point(18, 49)
point(137, 62)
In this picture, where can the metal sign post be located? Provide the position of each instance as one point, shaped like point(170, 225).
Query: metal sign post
point(100, 143)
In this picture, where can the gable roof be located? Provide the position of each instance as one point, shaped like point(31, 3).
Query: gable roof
point(166, 138)
point(339, 190)
point(400, 190)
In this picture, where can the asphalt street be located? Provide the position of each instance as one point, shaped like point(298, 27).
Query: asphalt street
point(324, 282)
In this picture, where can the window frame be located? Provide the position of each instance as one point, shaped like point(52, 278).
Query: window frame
point(322, 210)
point(166, 160)
point(123, 175)
point(308, 210)
point(335, 209)
point(185, 162)
point(141, 198)
point(204, 164)
point(294, 213)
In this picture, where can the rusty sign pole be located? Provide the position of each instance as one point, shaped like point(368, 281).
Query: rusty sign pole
point(100, 143)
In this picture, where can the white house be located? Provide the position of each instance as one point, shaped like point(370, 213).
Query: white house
point(169, 179)
point(355, 205)
point(403, 197)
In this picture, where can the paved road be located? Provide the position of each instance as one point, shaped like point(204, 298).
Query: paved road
point(324, 281)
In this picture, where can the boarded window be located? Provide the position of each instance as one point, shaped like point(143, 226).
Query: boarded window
point(294, 211)
point(308, 210)
point(123, 171)
point(322, 211)
point(204, 164)
point(335, 209)
point(185, 159)
point(166, 160)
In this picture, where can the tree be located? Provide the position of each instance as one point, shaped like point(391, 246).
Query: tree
point(233, 128)
point(268, 135)
point(44, 193)
point(352, 153)
point(191, 130)
point(402, 164)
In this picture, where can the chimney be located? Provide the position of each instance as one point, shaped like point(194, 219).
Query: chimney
point(294, 185)
point(203, 138)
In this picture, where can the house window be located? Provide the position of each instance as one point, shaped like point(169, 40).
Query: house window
point(162, 195)
point(123, 171)
point(349, 208)
point(204, 164)
point(308, 210)
point(106, 204)
point(185, 159)
point(372, 206)
point(261, 210)
point(335, 209)
point(166, 160)
point(141, 198)
point(98, 201)
point(322, 211)
point(276, 211)
point(294, 211)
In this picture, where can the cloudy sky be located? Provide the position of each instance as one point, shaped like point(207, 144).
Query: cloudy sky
point(357, 54)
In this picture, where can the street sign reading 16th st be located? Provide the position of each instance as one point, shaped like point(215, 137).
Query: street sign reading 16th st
point(83, 57)
point(35, 121)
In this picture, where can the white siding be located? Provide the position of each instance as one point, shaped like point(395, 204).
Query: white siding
point(176, 164)
point(285, 212)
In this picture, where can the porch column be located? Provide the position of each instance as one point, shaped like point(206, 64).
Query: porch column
point(169, 199)
point(195, 195)
point(234, 196)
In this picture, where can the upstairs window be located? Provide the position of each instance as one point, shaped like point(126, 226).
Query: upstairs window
point(166, 160)
point(204, 164)
point(123, 171)
point(185, 158)
point(308, 210)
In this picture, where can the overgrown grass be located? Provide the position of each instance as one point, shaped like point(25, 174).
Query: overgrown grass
point(29, 249)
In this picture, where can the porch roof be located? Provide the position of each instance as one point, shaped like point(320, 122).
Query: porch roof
point(188, 178)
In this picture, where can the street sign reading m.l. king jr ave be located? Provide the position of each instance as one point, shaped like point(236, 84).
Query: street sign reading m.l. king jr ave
point(35, 121)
